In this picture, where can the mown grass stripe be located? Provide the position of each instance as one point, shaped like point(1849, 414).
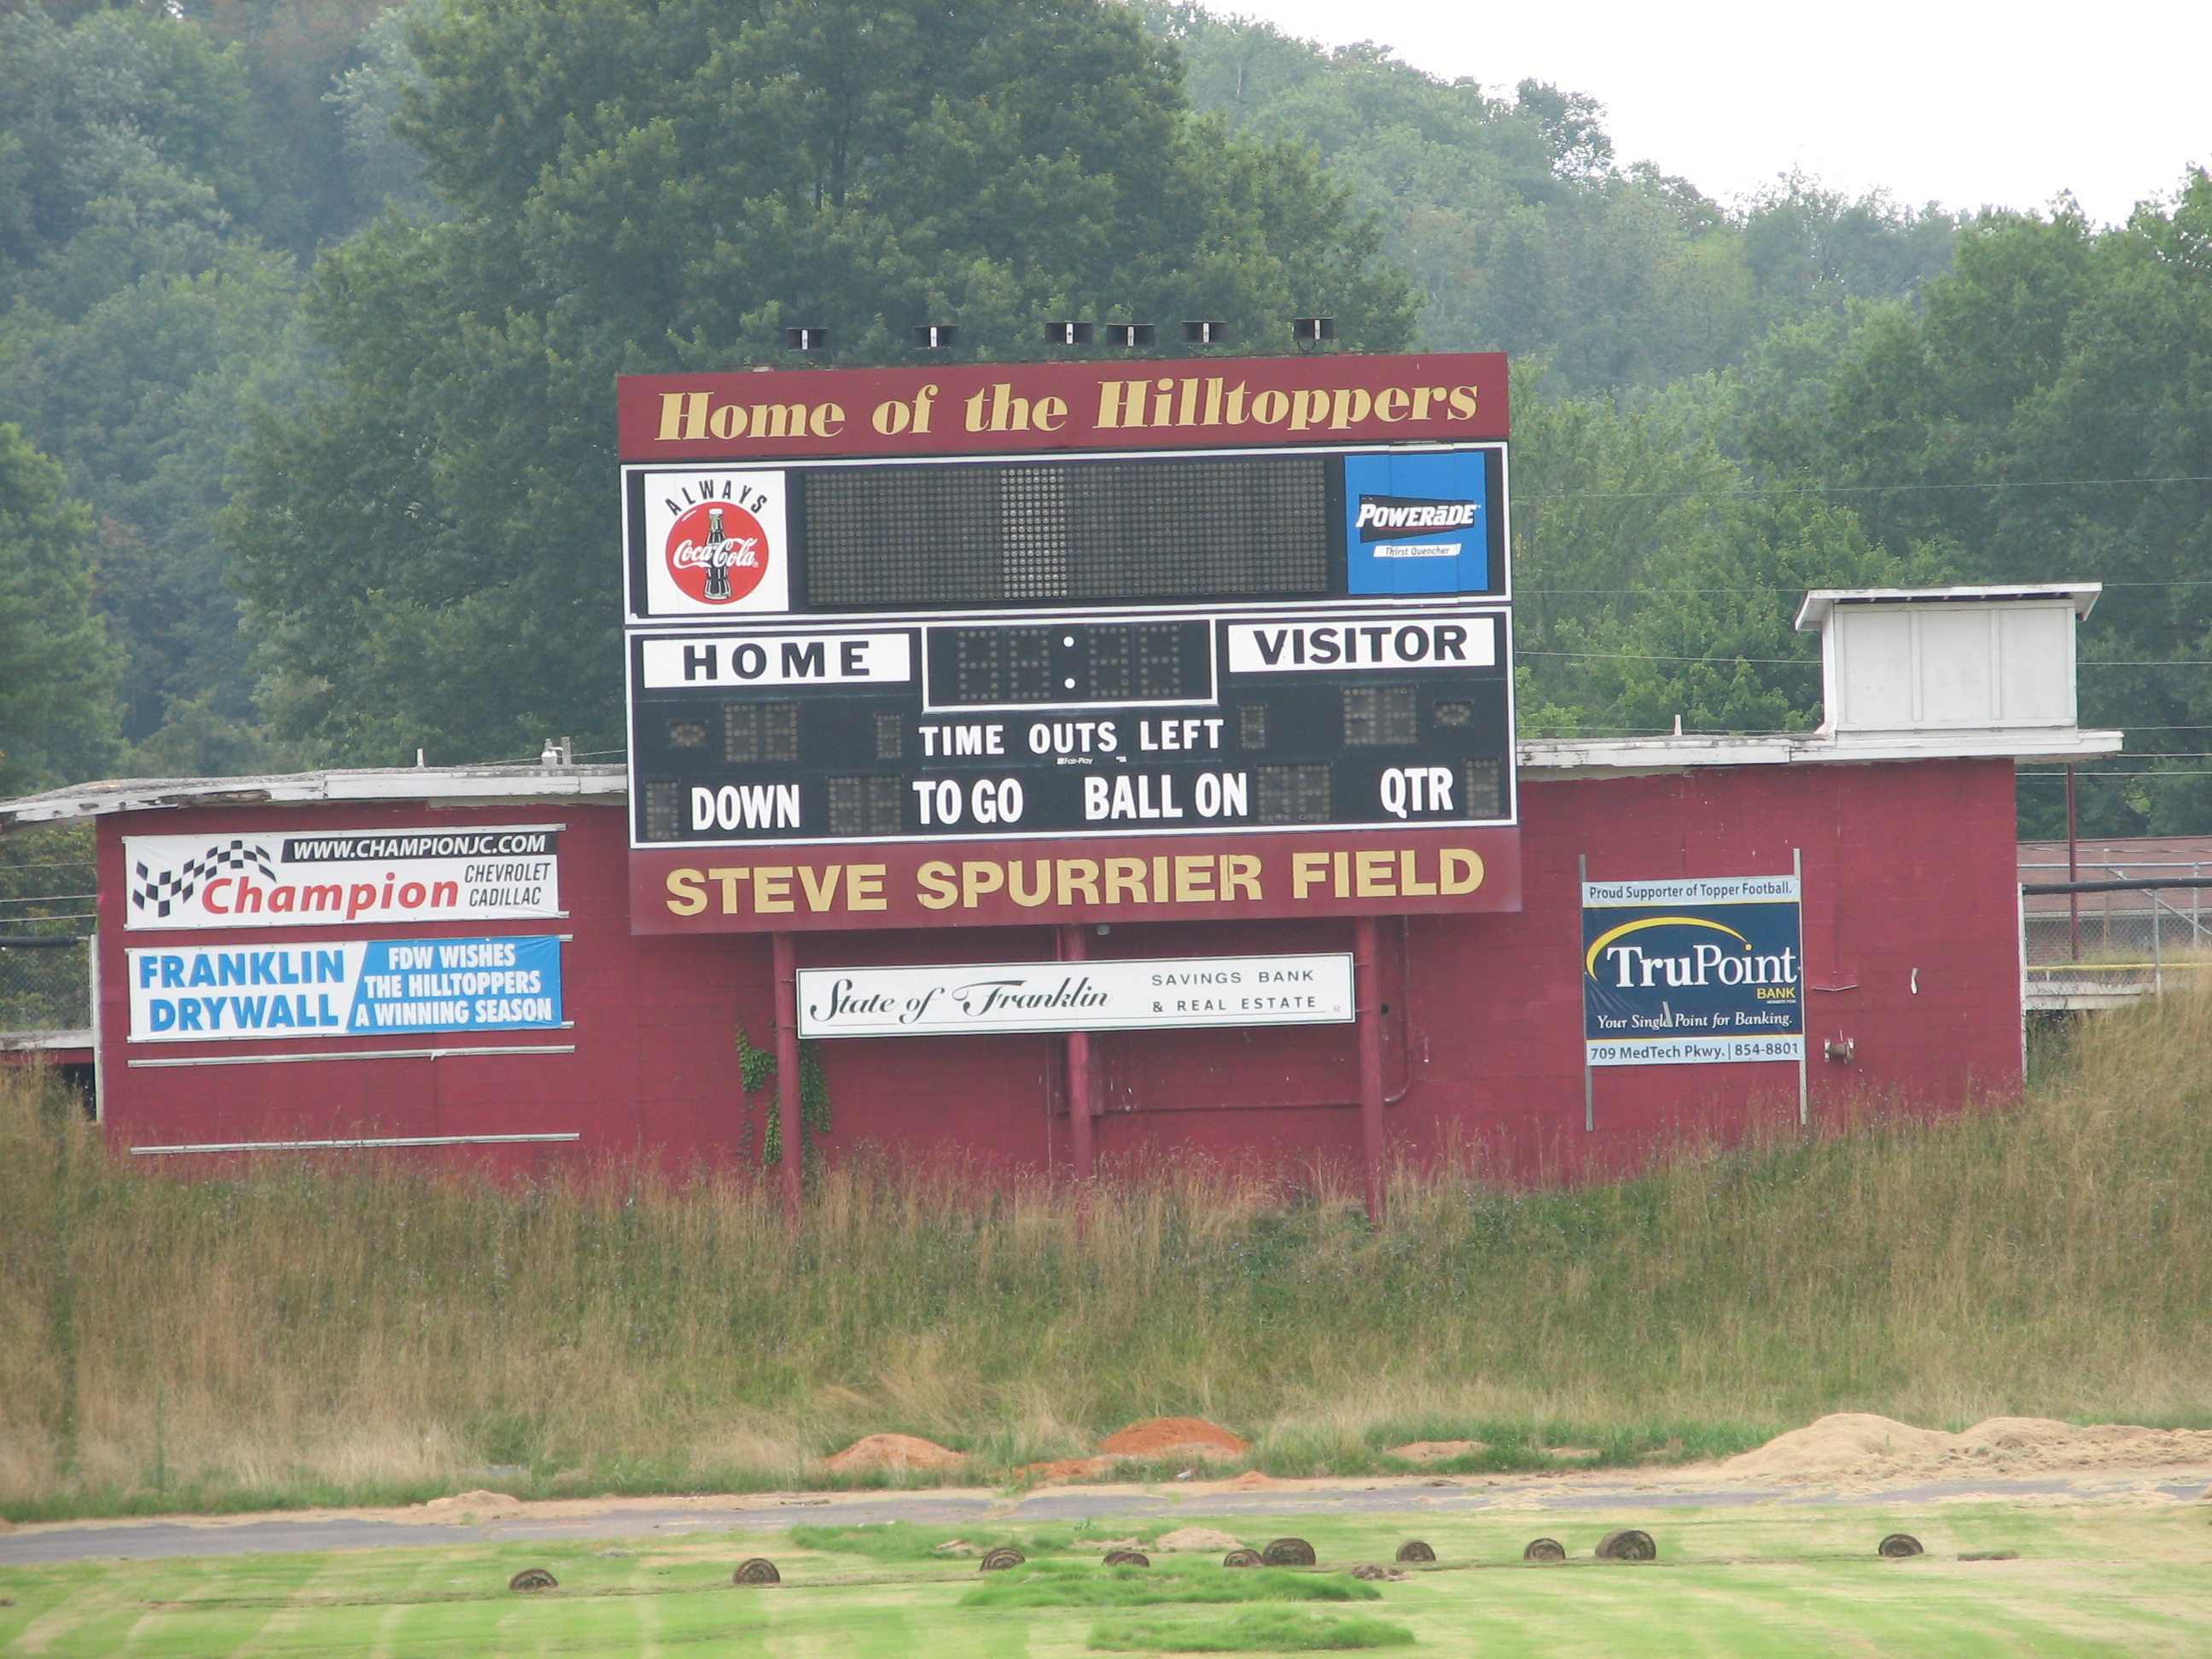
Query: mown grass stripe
point(1750, 1583)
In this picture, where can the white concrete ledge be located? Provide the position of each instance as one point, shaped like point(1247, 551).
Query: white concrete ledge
point(19, 1041)
point(1543, 758)
point(1548, 758)
point(443, 786)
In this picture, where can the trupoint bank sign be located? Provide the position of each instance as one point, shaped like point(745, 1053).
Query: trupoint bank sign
point(1699, 971)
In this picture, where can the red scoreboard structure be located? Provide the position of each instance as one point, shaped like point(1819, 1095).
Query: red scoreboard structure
point(992, 646)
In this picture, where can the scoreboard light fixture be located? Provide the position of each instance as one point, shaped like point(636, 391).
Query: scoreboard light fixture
point(1313, 330)
point(1205, 334)
point(935, 336)
point(1067, 334)
point(1129, 336)
point(806, 339)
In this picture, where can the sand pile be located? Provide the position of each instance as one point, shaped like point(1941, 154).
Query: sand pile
point(478, 1502)
point(1197, 1538)
point(1433, 1451)
point(1861, 1446)
point(1161, 1437)
point(895, 1452)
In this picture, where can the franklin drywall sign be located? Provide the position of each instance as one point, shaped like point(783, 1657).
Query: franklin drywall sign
point(345, 987)
point(1701, 971)
point(1168, 993)
point(286, 880)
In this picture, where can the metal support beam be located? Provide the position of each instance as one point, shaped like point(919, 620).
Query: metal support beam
point(2073, 867)
point(1366, 963)
point(1073, 947)
point(786, 1074)
point(1589, 1084)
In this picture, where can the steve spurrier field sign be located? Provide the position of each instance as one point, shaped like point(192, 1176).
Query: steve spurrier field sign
point(1052, 642)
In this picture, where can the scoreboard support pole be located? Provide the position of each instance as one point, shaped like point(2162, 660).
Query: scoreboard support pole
point(1805, 1041)
point(1366, 964)
point(786, 1074)
point(1073, 947)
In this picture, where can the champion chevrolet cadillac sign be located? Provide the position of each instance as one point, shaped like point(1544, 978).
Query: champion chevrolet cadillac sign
point(284, 880)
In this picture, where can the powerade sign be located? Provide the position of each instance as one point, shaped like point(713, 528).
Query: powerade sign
point(347, 988)
point(1417, 524)
point(1702, 971)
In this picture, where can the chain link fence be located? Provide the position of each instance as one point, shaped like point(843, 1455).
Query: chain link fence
point(47, 912)
point(2118, 945)
point(45, 988)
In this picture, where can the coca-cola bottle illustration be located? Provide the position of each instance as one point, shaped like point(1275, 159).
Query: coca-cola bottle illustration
point(717, 557)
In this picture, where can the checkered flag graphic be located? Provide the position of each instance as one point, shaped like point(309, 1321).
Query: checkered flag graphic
point(161, 890)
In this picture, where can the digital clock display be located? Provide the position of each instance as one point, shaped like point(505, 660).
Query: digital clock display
point(1030, 665)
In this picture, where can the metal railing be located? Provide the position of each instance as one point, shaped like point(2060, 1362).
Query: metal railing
point(45, 985)
point(46, 918)
point(2120, 937)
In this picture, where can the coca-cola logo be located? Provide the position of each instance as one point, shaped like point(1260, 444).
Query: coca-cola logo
point(717, 552)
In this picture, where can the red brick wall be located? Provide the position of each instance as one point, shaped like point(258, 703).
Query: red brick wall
point(1906, 867)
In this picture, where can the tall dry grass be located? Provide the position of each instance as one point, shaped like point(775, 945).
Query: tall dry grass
point(315, 1334)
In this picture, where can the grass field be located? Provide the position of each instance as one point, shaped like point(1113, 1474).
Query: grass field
point(357, 1334)
point(1744, 1582)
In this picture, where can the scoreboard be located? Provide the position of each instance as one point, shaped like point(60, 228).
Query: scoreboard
point(1072, 723)
point(898, 622)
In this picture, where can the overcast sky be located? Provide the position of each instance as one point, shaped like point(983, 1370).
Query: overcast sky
point(1965, 104)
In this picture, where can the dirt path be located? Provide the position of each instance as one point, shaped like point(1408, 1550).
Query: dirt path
point(1929, 1476)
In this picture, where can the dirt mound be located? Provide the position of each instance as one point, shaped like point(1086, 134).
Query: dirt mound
point(478, 1501)
point(1433, 1451)
point(1861, 1446)
point(1204, 1538)
point(1174, 1437)
point(1066, 1471)
point(1253, 1480)
point(893, 1452)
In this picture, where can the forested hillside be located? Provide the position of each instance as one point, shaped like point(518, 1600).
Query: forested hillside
point(1527, 234)
point(164, 182)
point(310, 313)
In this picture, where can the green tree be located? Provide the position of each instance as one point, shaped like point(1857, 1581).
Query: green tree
point(1658, 579)
point(141, 400)
point(2049, 415)
point(1525, 231)
point(124, 141)
point(366, 98)
point(58, 671)
point(1714, 641)
point(426, 549)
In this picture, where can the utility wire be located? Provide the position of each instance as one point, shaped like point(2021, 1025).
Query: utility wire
point(1814, 662)
point(1794, 587)
point(1852, 489)
point(1637, 656)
